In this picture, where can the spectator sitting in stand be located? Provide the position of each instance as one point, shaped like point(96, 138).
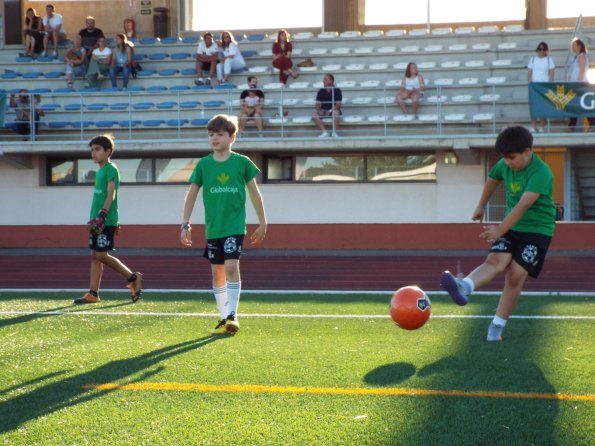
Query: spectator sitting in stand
point(54, 29)
point(207, 55)
point(90, 35)
point(251, 106)
point(328, 105)
point(540, 69)
point(231, 57)
point(22, 106)
point(282, 56)
point(412, 87)
point(33, 33)
point(75, 60)
point(99, 65)
point(121, 60)
point(130, 28)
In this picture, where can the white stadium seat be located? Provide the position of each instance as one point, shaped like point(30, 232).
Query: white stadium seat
point(350, 34)
point(328, 35)
point(454, 117)
point(340, 51)
point(462, 98)
point(373, 33)
point(457, 47)
point(403, 118)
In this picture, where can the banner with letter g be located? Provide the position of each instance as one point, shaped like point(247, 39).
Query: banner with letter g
point(561, 99)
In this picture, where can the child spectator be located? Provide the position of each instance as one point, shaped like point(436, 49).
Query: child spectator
point(54, 29)
point(282, 49)
point(75, 60)
point(23, 106)
point(540, 69)
point(231, 57)
point(520, 242)
point(412, 87)
point(207, 55)
point(121, 60)
point(33, 33)
point(328, 105)
point(100, 63)
point(252, 105)
point(224, 177)
point(104, 222)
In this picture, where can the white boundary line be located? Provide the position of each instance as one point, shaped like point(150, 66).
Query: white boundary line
point(285, 292)
point(275, 315)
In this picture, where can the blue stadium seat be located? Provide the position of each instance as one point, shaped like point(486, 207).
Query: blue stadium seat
point(79, 124)
point(237, 37)
point(63, 90)
point(134, 89)
point(119, 106)
point(189, 104)
point(53, 74)
point(166, 105)
point(105, 124)
point(32, 75)
point(157, 88)
point(168, 72)
point(249, 53)
point(22, 59)
point(179, 56)
point(88, 90)
point(238, 71)
point(255, 37)
point(10, 75)
point(214, 103)
point(188, 71)
point(139, 56)
point(200, 121)
point(57, 124)
point(40, 90)
point(152, 122)
point(227, 86)
point(157, 56)
point(110, 41)
point(110, 89)
point(97, 106)
point(169, 40)
point(50, 107)
point(176, 122)
point(190, 40)
point(179, 88)
point(129, 123)
point(143, 105)
point(45, 59)
point(147, 40)
point(72, 107)
point(201, 87)
point(145, 73)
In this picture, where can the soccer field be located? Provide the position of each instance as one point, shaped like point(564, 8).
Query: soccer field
point(305, 369)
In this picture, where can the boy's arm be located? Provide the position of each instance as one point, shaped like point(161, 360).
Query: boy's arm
point(256, 198)
point(111, 192)
point(98, 223)
point(189, 200)
point(491, 233)
point(488, 189)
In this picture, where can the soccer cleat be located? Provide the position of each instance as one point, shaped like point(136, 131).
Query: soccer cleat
point(86, 299)
point(220, 327)
point(495, 332)
point(232, 326)
point(135, 287)
point(454, 287)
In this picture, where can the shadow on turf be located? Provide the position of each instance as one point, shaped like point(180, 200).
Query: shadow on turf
point(388, 374)
point(69, 392)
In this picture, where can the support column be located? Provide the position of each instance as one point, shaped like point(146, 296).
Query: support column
point(536, 14)
point(343, 15)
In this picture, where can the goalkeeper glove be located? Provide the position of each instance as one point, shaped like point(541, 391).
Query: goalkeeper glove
point(96, 225)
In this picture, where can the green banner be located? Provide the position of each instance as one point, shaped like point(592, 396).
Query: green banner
point(561, 99)
point(2, 108)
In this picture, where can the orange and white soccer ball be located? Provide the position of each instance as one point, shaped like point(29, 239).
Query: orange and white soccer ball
point(410, 307)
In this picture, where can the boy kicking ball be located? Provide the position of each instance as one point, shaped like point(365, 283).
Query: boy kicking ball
point(224, 177)
point(104, 222)
point(520, 242)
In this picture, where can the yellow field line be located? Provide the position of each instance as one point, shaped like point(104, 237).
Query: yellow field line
point(336, 391)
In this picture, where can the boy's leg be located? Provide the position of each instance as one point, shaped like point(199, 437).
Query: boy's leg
point(514, 281)
point(220, 292)
point(92, 296)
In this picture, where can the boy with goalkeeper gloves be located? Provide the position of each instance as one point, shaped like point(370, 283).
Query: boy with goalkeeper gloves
point(104, 222)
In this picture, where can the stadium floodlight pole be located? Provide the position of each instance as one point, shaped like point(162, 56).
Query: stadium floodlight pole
point(428, 15)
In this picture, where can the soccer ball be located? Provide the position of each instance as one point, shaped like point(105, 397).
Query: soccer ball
point(410, 307)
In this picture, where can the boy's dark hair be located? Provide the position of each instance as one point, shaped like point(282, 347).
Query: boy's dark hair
point(226, 123)
point(105, 141)
point(515, 139)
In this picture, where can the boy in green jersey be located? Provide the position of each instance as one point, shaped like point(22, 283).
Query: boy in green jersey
point(224, 177)
point(104, 222)
point(520, 242)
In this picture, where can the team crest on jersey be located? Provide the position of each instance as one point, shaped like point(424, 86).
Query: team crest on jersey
point(230, 245)
point(529, 253)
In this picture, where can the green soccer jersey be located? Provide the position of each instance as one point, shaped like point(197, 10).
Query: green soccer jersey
point(224, 193)
point(109, 172)
point(538, 178)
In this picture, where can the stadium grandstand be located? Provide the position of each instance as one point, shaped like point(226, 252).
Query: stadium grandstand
point(387, 182)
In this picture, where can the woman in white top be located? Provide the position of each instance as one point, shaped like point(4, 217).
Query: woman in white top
point(577, 72)
point(540, 69)
point(231, 57)
point(412, 87)
point(99, 65)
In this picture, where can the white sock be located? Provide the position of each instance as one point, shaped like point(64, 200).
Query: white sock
point(499, 321)
point(470, 284)
point(221, 299)
point(233, 296)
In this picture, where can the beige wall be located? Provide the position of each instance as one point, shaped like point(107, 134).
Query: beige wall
point(109, 14)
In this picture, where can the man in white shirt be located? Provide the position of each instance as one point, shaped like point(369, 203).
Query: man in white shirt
point(207, 55)
point(54, 29)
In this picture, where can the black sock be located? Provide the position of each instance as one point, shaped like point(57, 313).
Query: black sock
point(132, 278)
point(93, 293)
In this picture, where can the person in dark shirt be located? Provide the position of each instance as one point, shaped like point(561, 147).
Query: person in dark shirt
point(328, 105)
point(89, 35)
